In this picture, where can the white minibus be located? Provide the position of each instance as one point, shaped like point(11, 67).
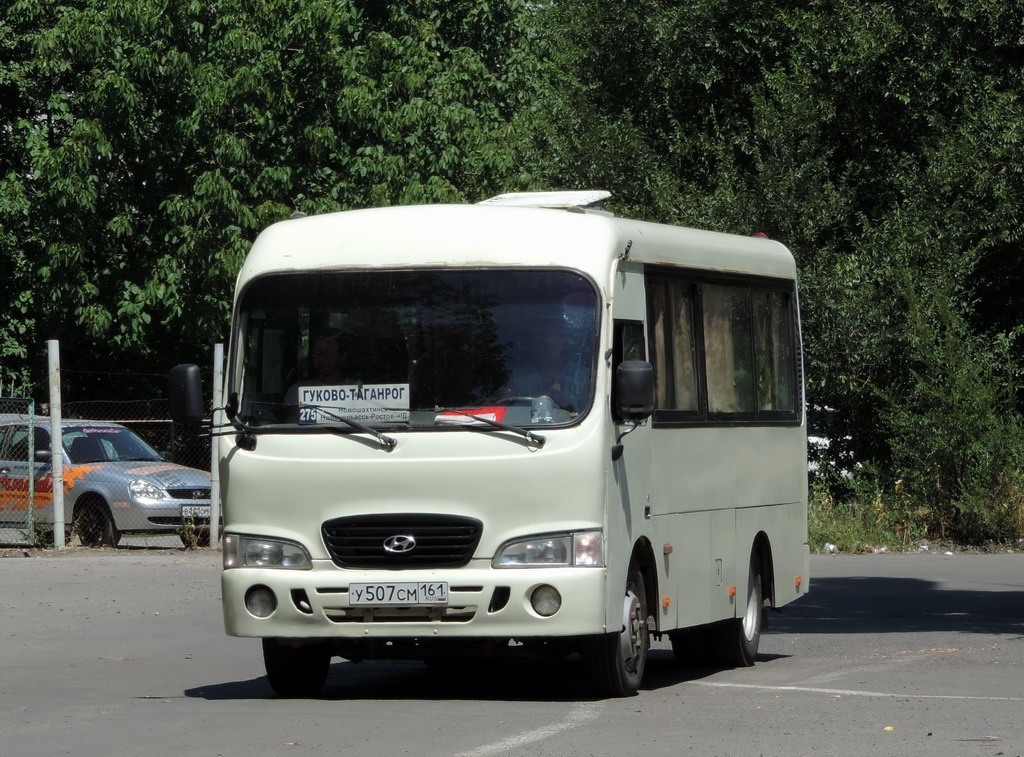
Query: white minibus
point(524, 426)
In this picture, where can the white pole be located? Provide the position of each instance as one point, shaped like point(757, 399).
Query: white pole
point(218, 402)
point(56, 443)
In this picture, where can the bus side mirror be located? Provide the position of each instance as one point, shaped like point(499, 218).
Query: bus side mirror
point(186, 392)
point(634, 390)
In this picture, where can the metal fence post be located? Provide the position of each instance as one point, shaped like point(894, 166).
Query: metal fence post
point(218, 391)
point(56, 443)
point(31, 501)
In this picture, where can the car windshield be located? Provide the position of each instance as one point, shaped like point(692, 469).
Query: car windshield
point(100, 444)
point(416, 348)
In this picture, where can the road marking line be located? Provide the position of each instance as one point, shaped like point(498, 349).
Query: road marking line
point(579, 715)
point(852, 692)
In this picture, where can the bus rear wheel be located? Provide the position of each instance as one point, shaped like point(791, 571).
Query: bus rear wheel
point(736, 641)
point(296, 671)
point(616, 661)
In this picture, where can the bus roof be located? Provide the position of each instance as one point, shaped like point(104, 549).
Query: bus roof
point(502, 236)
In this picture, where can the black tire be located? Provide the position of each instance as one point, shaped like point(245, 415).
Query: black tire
point(736, 641)
point(94, 525)
point(296, 671)
point(615, 662)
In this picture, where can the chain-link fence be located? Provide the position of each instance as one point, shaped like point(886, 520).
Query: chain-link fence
point(100, 502)
point(151, 420)
point(18, 482)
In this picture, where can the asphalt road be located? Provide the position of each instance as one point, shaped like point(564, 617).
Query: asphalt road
point(123, 653)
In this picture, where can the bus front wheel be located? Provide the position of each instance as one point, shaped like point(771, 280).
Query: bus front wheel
point(616, 661)
point(296, 671)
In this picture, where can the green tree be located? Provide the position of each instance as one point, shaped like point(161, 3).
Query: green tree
point(149, 141)
point(880, 142)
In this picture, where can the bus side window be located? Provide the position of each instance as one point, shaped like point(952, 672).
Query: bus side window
point(673, 344)
point(628, 342)
point(774, 351)
point(728, 349)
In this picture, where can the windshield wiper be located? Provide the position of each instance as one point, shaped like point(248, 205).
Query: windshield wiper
point(387, 442)
point(525, 433)
point(247, 432)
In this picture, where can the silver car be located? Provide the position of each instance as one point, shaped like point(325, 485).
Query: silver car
point(114, 483)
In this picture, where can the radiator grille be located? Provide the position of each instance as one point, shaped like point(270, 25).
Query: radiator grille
point(189, 492)
point(441, 541)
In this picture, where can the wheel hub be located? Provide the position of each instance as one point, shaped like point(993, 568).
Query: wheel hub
point(634, 627)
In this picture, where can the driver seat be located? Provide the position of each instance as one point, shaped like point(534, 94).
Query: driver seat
point(86, 449)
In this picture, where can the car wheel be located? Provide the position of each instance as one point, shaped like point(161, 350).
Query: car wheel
point(94, 524)
point(296, 671)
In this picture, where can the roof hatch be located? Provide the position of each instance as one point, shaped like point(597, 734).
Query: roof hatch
point(591, 199)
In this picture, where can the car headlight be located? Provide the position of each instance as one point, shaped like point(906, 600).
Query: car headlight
point(580, 549)
point(258, 552)
point(142, 489)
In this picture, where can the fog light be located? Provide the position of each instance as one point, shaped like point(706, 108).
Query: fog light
point(546, 600)
point(260, 601)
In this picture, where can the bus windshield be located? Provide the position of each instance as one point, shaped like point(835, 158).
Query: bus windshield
point(422, 348)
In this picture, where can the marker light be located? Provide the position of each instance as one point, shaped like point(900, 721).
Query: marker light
point(589, 549)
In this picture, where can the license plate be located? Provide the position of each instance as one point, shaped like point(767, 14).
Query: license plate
point(398, 594)
point(195, 511)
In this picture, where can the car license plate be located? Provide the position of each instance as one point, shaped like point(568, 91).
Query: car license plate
point(195, 511)
point(398, 594)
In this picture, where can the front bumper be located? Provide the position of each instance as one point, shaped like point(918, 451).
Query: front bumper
point(165, 516)
point(483, 603)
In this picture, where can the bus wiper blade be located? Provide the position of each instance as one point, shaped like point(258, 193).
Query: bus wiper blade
point(525, 433)
point(387, 442)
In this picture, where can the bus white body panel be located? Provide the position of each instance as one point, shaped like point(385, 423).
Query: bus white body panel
point(710, 484)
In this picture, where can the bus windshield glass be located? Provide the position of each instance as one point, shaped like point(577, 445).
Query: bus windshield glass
point(422, 348)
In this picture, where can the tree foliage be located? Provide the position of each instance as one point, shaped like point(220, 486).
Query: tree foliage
point(147, 142)
point(144, 143)
point(880, 141)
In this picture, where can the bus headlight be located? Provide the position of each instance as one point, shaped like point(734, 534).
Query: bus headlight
point(584, 549)
point(256, 552)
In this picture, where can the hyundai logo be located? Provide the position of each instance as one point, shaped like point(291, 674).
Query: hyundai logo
point(399, 544)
